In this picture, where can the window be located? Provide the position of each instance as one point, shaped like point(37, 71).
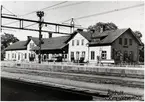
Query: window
point(47, 56)
point(96, 40)
point(120, 41)
point(22, 55)
point(19, 56)
point(82, 41)
point(72, 54)
point(65, 56)
point(125, 41)
point(8, 56)
point(77, 42)
point(104, 54)
point(83, 53)
point(25, 55)
point(125, 55)
point(92, 55)
point(130, 41)
point(13, 55)
point(31, 45)
point(72, 42)
point(29, 55)
point(131, 55)
point(77, 55)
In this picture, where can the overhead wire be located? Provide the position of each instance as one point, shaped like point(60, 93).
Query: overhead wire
point(44, 8)
point(69, 5)
point(35, 12)
point(66, 20)
point(9, 11)
point(52, 8)
point(106, 12)
point(97, 14)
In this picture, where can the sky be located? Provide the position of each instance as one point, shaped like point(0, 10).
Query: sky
point(131, 18)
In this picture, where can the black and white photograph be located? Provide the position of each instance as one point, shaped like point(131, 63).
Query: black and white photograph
point(72, 50)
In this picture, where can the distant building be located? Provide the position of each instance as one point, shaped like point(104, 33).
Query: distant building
point(28, 50)
point(120, 45)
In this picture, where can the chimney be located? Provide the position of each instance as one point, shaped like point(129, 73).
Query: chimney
point(101, 29)
point(11, 43)
point(29, 37)
point(79, 30)
point(50, 35)
point(92, 30)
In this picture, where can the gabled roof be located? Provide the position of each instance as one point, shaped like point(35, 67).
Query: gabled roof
point(85, 34)
point(20, 45)
point(110, 36)
point(52, 43)
point(49, 43)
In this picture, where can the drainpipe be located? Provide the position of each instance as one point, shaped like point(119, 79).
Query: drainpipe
point(88, 51)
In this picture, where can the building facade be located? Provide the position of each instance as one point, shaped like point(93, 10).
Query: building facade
point(120, 45)
point(78, 48)
point(21, 51)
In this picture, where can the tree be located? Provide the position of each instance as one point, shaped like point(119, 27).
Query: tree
point(105, 26)
point(6, 39)
point(141, 49)
point(141, 54)
point(138, 34)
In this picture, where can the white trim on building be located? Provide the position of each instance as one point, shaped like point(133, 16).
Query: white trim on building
point(104, 52)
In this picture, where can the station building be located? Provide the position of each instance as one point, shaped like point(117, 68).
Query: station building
point(119, 45)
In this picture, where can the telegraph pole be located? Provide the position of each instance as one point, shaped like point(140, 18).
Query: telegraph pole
point(40, 14)
point(1, 17)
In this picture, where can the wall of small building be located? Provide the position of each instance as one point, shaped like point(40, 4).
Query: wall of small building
point(98, 52)
point(78, 48)
point(121, 47)
point(21, 55)
point(17, 55)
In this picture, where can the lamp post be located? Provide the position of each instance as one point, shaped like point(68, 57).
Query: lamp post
point(40, 14)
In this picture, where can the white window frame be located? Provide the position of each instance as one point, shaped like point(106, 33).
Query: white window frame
point(92, 55)
point(82, 41)
point(78, 42)
point(104, 54)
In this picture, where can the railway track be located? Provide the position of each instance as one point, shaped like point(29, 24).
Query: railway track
point(129, 83)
